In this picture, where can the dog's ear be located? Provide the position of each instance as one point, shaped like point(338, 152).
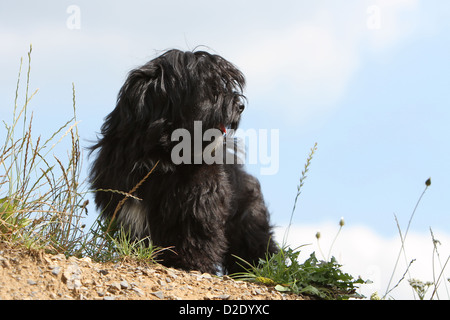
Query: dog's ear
point(154, 92)
point(141, 116)
point(140, 96)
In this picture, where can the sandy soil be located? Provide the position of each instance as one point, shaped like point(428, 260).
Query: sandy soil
point(27, 274)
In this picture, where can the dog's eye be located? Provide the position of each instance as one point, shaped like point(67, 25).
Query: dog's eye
point(241, 108)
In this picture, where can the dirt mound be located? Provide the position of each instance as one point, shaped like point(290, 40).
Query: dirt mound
point(27, 274)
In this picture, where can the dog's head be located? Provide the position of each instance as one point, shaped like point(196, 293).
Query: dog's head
point(177, 90)
point(173, 91)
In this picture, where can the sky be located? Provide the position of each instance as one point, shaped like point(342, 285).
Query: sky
point(368, 80)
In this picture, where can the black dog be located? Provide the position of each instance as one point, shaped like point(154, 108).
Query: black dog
point(207, 212)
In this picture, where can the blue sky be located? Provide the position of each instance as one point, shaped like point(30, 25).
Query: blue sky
point(374, 97)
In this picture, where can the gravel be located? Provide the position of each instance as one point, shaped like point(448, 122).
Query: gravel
point(26, 274)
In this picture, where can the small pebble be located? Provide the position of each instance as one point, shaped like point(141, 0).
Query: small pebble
point(124, 284)
point(158, 294)
point(56, 270)
point(138, 291)
point(114, 287)
point(31, 282)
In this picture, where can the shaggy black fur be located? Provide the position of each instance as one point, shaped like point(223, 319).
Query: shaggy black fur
point(207, 213)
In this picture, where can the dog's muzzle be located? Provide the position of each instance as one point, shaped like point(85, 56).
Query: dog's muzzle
point(223, 129)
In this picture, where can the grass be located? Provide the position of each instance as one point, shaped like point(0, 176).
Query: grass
point(318, 278)
point(419, 288)
point(324, 278)
point(42, 200)
point(313, 277)
point(43, 205)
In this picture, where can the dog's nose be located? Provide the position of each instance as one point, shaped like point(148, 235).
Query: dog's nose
point(241, 108)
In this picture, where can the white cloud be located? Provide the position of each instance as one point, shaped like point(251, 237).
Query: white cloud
point(310, 62)
point(363, 252)
point(287, 51)
point(394, 24)
point(307, 60)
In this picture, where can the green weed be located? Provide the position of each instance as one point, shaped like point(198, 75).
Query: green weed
point(318, 278)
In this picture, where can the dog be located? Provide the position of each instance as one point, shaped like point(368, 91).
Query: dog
point(208, 213)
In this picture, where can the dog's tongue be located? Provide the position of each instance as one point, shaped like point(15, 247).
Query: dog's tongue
point(223, 129)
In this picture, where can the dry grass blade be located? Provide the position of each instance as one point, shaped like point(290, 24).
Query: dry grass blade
point(122, 202)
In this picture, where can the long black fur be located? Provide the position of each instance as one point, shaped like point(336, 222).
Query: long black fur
point(207, 213)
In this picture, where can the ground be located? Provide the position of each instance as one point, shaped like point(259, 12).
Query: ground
point(33, 274)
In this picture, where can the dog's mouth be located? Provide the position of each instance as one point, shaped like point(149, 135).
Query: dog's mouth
point(228, 129)
point(223, 129)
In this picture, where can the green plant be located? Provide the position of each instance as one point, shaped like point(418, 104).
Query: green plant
point(42, 200)
point(314, 277)
point(141, 250)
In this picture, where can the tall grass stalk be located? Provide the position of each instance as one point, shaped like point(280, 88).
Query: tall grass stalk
point(299, 191)
point(403, 239)
point(437, 281)
point(41, 202)
point(42, 198)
